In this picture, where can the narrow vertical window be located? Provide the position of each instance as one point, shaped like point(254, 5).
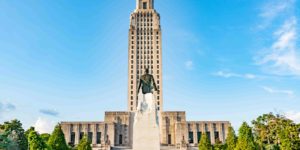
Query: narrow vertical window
point(145, 5)
point(98, 138)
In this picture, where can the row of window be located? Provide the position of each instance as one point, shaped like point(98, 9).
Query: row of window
point(145, 19)
point(143, 14)
point(140, 38)
point(144, 52)
point(145, 39)
point(144, 25)
point(145, 57)
point(145, 67)
point(145, 62)
point(145, 42)
point(89, 135)
point(144, 47)
point(144, 32)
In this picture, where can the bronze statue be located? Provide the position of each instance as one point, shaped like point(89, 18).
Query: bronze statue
point(147, 82)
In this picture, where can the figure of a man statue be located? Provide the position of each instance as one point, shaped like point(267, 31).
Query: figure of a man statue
point(147, 82)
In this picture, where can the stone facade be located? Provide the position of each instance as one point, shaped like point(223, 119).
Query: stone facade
point(116, 131)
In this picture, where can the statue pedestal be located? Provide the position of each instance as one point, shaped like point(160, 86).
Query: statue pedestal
point(146, 125)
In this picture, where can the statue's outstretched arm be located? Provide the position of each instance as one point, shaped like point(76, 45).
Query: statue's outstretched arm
point(154, 84)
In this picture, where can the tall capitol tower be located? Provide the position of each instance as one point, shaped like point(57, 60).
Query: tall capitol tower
point(144, 50)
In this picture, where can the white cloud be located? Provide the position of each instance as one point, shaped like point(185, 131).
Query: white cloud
point(282, 58)
point(226, 74)
point(271, 90)
point(189, 65)
point(43, 125)
point(293, 115)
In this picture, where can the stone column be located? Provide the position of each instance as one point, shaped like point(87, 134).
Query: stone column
point(77, 132)
point(94, 130)
point(212, 133)
point(195, 133)
point(111, 133)
point(103, 134)
point(221, 136)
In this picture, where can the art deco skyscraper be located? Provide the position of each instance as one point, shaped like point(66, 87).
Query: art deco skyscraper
point(144, 50)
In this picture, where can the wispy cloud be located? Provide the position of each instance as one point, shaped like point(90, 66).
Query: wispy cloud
point(226, 74)
point(271, 90)
point(273, 9)
point(49, 112)
point(293, 115)
point(6, 107)
point(189, 65)
point(282, 56)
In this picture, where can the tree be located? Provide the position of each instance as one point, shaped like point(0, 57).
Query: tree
point(231, 139)
point(204, 143)
point(274, 131)
point(84, 144)
point(57, 139)
point(36, 142)
point(245, 139)
point(28, 131)
point(7, 140)
point(219, 145)
point(15, 127)
point(289, 135)
point(266, 130)
point(45, 137)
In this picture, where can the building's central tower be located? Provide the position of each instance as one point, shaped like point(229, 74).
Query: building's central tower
point(144, 50)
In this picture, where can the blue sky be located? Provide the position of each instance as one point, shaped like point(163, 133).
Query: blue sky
point(222, 60)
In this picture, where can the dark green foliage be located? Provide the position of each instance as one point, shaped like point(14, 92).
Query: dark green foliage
point(231, 139)
point(45, 137)
point(7, 141)
point(36, 142)
point(28, 131)
point(219, 146)
point(84, 144)
point(245, 140)
point(14, 129)
point(204, 143)
point(57, 139)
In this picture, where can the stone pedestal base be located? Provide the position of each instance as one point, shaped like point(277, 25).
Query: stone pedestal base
point(146, 127)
